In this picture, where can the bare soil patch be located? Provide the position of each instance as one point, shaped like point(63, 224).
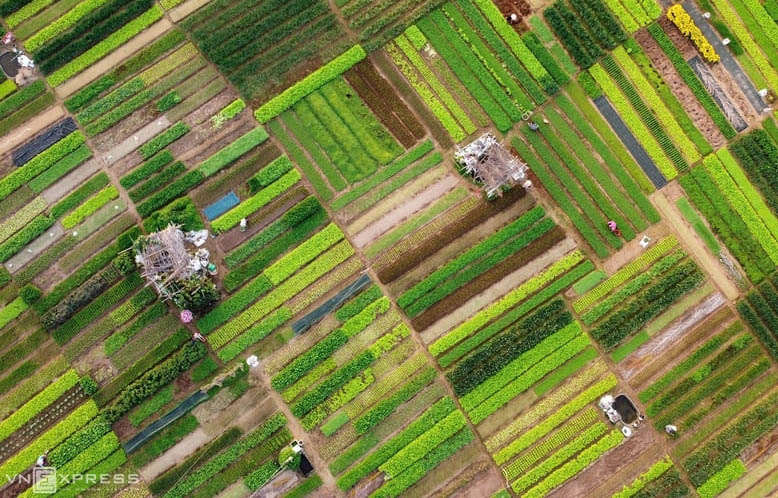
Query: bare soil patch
point(691, 105)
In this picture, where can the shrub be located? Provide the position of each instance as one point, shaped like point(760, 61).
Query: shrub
point(204, 369)
point(180, 212)
point(30, 293)
point(88, 385)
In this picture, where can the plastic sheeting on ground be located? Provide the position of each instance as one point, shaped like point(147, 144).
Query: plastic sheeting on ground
point(331, 305)
point(43, 141)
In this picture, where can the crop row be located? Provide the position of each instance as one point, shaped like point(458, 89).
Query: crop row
point(639, 118)
point(288, 289)
point(648, 304)
point(221, 461)
point(38, 403)
point(562, 414)
point(573, 467)
point(550, 181)
point(562, 455)
point(503, 349)
point(477, 78)
point(689, 362)
point(50, 439)
point(40, 163)
point(631, 288)
point(691, 80)
point(111, 43)
point(758, 156)
point(371, 418)
point(719, 481)
point(153, 184)
point(426, 420)
point(90, 206)
point(470, 256)
point(730, 358)
point(565, 433)
point(444, 114)
point(762, 223)
point(507, 302)
point(327, 346)
point(254, 334)
point(541, 360)
point(683, 21)
point(649, 475)
point(386, 384)
point(164, 139)
point(735, 21)
point(147, 169)
point(573, 35)
point(715, 454)
point(253, 204)
point(596, 193)
point(625, 273)
point(264, 257)
point(702, 191)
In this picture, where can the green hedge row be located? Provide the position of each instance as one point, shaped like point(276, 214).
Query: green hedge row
point(164, 139)
point(309, 84)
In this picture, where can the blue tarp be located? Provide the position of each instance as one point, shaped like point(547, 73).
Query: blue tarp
point(221, 206)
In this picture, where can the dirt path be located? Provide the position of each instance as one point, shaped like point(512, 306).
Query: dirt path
point(688, 238)
point(405, 210)
point(30, 128)
point(175, 455)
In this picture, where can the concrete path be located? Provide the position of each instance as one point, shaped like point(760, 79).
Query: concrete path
point(630, 142)
point(175, 455)
point(137, 139)
point(70, 181)
point(34, 248)
point(727, 60)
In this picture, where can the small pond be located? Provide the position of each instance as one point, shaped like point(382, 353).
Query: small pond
point(9, 64)
point(626, 408)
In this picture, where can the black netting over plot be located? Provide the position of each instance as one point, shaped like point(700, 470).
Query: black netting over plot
point(49, 137)
point(331, 305)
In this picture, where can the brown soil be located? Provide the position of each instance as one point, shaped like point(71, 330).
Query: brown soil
point(645, 439)
point(31, 127)
point(632, 249)
point(722, 76)
point(691, 105)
